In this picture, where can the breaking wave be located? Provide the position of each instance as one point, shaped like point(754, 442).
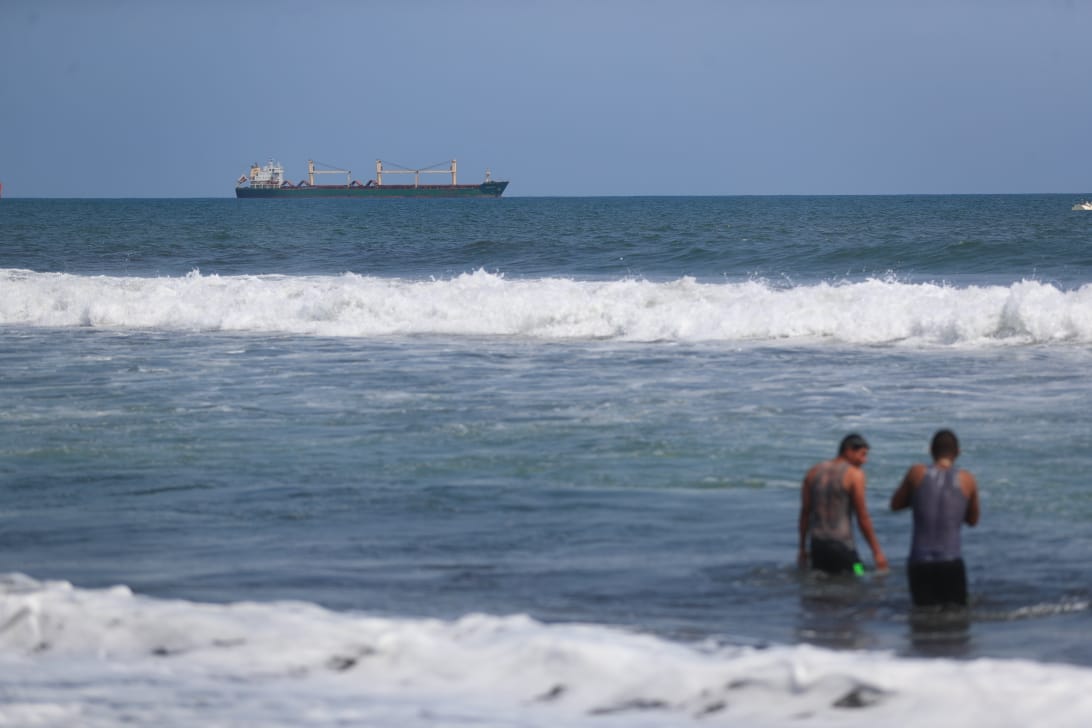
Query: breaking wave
point(107, 657)
point(485, 304)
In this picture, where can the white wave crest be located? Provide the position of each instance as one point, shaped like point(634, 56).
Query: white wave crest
point(105, 657)
point(481, 303)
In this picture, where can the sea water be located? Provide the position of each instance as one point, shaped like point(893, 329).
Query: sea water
point(531, 461)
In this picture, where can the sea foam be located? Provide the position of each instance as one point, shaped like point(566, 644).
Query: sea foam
point(106, 657)
point(484, 304)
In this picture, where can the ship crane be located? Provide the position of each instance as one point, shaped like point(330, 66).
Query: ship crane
point(434, 169)
point(311, 172)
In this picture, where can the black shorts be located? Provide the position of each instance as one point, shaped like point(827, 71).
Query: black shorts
point(938, 582)
point(833, 557)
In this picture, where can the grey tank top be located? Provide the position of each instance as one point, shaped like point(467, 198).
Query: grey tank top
point(939, 507)
point(831, 507)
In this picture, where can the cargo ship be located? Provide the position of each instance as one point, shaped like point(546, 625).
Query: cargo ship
point(268, 181)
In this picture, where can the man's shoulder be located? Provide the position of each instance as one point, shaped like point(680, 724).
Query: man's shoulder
point(854, 476)
point(917, 471)
point(914, 475)
point(966, 478)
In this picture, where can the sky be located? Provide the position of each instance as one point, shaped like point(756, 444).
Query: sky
point(147, 98)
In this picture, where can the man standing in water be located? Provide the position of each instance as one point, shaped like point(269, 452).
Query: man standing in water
point(831, 493)
point(944, 498)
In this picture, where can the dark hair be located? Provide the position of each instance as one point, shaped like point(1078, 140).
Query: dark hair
point(852, 441)
point(944, 445)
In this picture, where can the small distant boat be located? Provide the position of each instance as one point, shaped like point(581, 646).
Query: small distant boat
point(1086, 205)
point(269, 181)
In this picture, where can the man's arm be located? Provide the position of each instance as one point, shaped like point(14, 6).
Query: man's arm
point(970, 489)
point(856, 485)
point(901, 498)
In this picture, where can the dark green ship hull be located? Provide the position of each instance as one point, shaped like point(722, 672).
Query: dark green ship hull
point(485, 189)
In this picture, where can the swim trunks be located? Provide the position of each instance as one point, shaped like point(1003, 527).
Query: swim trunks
point(833, 557)
point(938, 583)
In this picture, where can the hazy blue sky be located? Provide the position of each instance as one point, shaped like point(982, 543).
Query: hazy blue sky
point(561, 97)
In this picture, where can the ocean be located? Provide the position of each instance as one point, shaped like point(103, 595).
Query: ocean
point(533, 461)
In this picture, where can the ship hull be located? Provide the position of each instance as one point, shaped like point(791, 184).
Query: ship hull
point(486, 189)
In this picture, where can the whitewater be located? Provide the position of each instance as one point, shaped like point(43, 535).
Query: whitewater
point(105, 657)
point(487, 304)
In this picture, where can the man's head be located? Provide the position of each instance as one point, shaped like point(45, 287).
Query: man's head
point(944, 445)
point(854, 448)
point(852, 441)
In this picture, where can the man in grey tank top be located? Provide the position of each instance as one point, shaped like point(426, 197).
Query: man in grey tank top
point(832, 492)
point(943, 497)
